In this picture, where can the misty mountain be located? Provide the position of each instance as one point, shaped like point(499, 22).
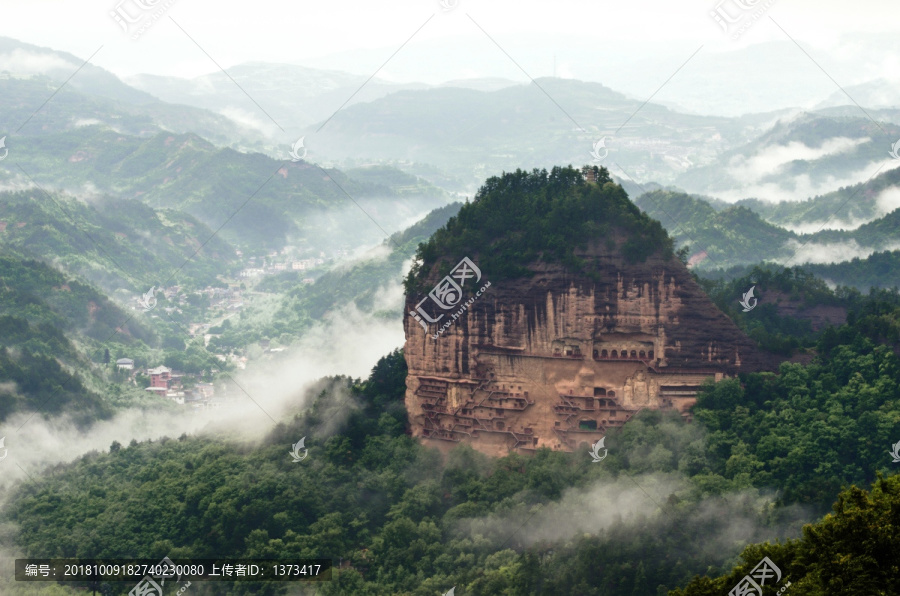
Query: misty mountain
point(293, 96)
point(29, 75)
point(736, 235)
point(764, 76)
point(25, 60)
point(717, 238)
point(362, 282)
point(796, 158)
point(846, 208)
point(257, 201)
point(878, 270)
point(877, 93)
point(476, 133)
point(881, 233)
point(480, 84)
point(116, 244)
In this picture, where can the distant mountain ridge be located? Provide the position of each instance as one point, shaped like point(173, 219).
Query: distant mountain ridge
point(294, 96)
point(259, 200)
point(95, 96)
point(736, 235)
point(847, 207)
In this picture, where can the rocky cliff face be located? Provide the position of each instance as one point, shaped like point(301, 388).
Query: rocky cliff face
point(556, 359)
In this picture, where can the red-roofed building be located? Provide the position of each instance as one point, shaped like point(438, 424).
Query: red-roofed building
point(160, 377)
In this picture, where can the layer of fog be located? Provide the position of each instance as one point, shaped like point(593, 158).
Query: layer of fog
point(886, 201)
point(801, 187)
point(773, 157)
point(25, 63)
point(346, 342)
point(811, 227)
point(627, 505)
point(364, 224)
point(832, 252)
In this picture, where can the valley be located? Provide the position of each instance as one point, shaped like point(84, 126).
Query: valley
point(502, 307)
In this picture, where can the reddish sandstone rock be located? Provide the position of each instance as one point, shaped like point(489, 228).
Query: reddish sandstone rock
point(555, 359)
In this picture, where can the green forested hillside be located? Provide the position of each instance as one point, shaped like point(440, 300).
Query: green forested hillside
point(407, 522)
point(521, 217)
point(49, 324)
point(35, 291)
point(738, 235)
point(852, 551)
point(730, 236)
point(846, 204)
point(115, 243)
point(878, 270)
point(38, 373)
point(60, 338)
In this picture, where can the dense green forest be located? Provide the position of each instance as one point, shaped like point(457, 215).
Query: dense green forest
point(520, 217)
point(878, 270)
point(854, 550)
point(766, 453)
point(113, 243)
point(850, 203)
point(60, 338)
point(681, 508)
point(729, 236)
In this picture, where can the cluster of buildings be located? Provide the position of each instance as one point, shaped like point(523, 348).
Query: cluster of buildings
point(301, 265)
point(165, 382)
point(277, 262)
point(224, 298)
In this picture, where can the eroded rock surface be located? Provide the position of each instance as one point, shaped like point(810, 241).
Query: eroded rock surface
point(556, 359)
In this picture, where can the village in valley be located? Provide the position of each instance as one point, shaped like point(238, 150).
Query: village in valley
point(206, 310)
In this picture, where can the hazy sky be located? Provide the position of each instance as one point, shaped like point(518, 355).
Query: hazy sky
point(312, 32)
